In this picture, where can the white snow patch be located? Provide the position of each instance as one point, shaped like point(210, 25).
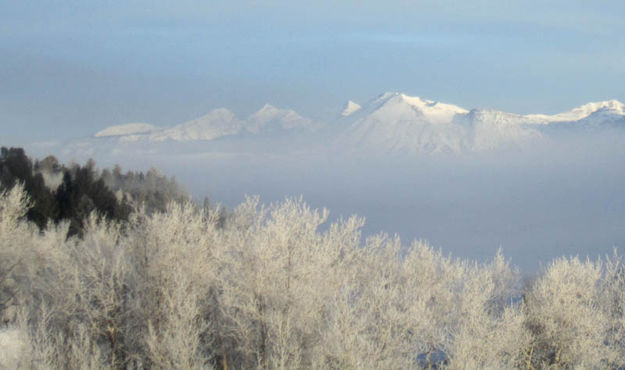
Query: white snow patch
point(350, 108)
point(126, 129)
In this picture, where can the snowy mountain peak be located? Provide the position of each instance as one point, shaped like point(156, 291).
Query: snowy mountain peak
point(267, 112)
point(350, 108)
point(397, 122)
point(397, 106)
point(267, 109)
point(217, 123)
point(126, 129)
point(433, 107)
point(612, 105)
point(270, 118)
point(607, 106)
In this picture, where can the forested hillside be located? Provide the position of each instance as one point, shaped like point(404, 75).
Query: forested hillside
point(266, 288)
point(58, 192)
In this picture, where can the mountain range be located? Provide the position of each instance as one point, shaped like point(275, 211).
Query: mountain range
point(390, 123)
point(217, 123)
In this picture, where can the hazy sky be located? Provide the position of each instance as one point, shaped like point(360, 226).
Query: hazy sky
point(69, 68)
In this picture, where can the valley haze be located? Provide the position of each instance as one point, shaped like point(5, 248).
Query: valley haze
point(469, 181)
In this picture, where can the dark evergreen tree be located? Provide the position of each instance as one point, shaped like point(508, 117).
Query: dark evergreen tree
point(71, 193)
point(82, 193)
point(16, 167)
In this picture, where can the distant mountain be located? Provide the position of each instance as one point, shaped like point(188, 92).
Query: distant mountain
point(126, 129)
point(399, 123)
point(217, 123)
point(612, 107)
point(270, 118)
point(395, 122)
point(390, 123)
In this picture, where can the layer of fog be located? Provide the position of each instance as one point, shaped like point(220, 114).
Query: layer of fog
point(535, 203)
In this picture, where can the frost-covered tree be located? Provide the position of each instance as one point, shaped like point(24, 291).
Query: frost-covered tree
point(272, 287)
point(565, 314)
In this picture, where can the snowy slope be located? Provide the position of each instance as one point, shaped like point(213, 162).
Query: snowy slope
point(490, 129)
point(126, 129)
point(271, 119)
point(217, 123)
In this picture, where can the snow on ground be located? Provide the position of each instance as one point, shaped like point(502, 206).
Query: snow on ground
point(11, 347)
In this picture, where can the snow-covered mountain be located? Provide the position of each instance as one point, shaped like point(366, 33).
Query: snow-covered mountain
point(395, 122)
point(390, 123)
point(216, 124)
point(399, 123)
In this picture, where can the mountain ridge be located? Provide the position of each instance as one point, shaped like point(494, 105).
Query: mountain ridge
point(390, 122)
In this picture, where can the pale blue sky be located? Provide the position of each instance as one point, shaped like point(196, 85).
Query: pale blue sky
point(69, 68)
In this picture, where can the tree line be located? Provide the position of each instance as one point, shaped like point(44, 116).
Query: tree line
point(59, 192)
